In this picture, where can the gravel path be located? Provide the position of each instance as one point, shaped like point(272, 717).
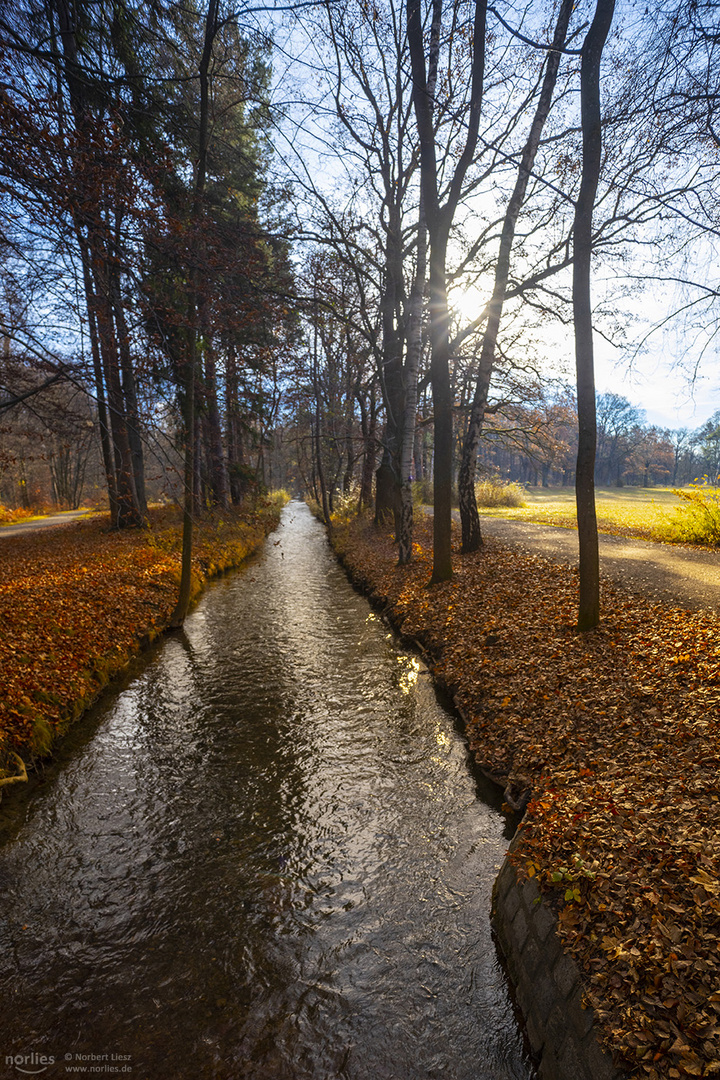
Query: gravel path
point(681, 575)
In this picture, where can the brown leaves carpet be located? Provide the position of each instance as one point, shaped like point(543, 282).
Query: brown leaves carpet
point(77, 602)
point(614, 734)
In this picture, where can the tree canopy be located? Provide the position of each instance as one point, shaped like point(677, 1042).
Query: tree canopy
point(319, 243)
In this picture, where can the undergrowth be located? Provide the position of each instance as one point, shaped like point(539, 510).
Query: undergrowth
point(8, 515)
point(343, 506)
point(493, 492)
point(697, 520)
point(489, 492)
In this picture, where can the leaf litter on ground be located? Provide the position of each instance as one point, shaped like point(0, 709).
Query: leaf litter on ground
point(77, 602)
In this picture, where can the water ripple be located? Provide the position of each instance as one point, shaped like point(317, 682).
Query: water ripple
point(269, 861)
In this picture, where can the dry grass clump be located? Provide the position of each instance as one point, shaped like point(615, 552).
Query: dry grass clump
point(493, 492)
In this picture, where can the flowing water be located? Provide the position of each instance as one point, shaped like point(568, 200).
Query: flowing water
point(265, 858)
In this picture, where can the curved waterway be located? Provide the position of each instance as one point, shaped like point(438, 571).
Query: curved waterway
point(265, 859)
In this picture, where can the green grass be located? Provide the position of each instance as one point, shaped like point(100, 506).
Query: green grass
point(643, 512)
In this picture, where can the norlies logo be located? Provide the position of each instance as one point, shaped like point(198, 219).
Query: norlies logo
point(30, 1064)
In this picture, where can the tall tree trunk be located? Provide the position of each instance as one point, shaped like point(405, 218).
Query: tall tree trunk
point(414, 330)
point(589, 605)
point(235, 455)
point(129, 389)
point(104, 421)
point(388, 478)
point(419, 453)
point(213, 430)
point(324, 502)
point(368, 424)
point(199, 483)
point(129, 515)
point(443, 416)
point(412, 367)
point(188, 415)
point(85, 237)
point(470, 521)
point(319, 465)
point(191, 361)
point(439, 222)
point(387, 506)
point(349, 448)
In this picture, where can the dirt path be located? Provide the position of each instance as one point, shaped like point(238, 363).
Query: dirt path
point(664, 572)
point(42, 523)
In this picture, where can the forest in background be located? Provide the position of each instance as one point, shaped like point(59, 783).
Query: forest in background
point(336, 248)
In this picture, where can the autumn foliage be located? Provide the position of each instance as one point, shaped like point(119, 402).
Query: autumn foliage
point(613, 735)
point(77, 602)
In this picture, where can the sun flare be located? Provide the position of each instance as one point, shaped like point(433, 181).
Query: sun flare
point(467, 304)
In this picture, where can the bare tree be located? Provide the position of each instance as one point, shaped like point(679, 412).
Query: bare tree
point(439, 217)
point(470, 522)
point(589, 603)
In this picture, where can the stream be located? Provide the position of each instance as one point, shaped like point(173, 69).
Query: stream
point(264, 856)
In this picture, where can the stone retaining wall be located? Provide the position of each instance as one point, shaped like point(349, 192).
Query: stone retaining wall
point(547, 984)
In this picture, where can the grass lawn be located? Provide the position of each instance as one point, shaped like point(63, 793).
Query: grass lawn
point(628, 511)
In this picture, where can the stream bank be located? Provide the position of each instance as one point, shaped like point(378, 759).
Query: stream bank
point(613, 737)
point(79, 602)
point(547, 984)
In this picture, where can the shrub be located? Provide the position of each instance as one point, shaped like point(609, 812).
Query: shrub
point(8, 515)
point(697, 521)
point(313, 506)
point(345, 505)
point(422, 492)
point(278, 498)
point(493, 492)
